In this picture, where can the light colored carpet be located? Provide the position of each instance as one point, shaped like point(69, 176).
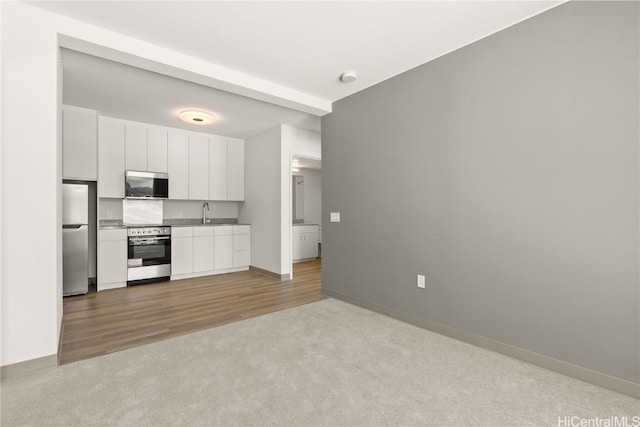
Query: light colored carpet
point(325, 363)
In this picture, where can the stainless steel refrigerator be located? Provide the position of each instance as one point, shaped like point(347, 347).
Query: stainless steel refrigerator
point(75, 239)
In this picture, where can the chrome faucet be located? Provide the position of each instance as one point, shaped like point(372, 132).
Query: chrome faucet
point(205, 208)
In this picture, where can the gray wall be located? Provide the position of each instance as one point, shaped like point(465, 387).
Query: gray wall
point(507, 172)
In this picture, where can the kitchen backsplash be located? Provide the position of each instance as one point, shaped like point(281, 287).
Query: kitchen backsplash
point(110, 209)
point(173, 209)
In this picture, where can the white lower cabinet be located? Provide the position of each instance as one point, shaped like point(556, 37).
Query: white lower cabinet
point(204, 250)
point(112, 263)
point(181, 250)
point(223, 247)
point(241, 245)
point(305, 242)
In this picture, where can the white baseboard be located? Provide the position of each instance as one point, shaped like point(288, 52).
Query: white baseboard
point(594, 377)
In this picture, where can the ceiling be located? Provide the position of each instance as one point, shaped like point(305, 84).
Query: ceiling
point(126, 92)
point(305, 46)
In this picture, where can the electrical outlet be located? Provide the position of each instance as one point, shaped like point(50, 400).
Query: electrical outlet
point(421, 281)
point(334, 217)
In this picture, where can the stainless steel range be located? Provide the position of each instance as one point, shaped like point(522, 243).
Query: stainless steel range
point(149, 255)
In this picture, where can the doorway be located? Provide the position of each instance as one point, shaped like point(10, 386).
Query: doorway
point(306, 209)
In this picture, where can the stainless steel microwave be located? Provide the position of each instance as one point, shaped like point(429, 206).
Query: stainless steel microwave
point(146, 185)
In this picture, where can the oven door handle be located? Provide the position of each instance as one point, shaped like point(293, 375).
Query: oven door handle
point(142, 240)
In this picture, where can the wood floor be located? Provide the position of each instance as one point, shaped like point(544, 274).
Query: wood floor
point(109, 321)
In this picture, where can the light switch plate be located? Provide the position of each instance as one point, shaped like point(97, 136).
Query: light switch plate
point(421, 281)
point(335, 217)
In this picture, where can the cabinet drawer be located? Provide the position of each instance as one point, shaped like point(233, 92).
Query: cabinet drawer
point(241, 229)
point(301, 229)
point(223, 230)
point(119, 234)
point(182, 231)
point(203, 231)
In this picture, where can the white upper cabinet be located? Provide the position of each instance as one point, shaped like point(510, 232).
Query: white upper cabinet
point(235, 157)
point(146, 147)
point(157, 149)
point(79, 143)
point(111, 155)
point(178, 164)
point(198, 167)
point(218, 168)
point(136, 146)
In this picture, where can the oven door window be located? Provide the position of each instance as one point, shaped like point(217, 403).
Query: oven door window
point(150, 251)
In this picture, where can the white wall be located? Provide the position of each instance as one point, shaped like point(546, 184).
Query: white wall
point(312, 196)
point(268, 193)
point(302, 142)
point(31, 165)
point(262, 207)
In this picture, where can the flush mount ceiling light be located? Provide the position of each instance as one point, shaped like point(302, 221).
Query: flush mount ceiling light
point(196, 117)
point(348, 76)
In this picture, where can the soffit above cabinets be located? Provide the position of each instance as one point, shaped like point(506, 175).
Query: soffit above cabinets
point(303, 47)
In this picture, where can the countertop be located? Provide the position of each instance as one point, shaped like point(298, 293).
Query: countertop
point(303, 224)
point(110, 224)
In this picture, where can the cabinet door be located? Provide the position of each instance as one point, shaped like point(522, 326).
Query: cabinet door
point(217, 168)
point(79, 143)
point(202, 254)
point(241, 258)
point(235, 156)
point(136, 146)
point(223, 252)
point(112, 267)
point(157, 149)
point(310, 245)
point(181, 255)
point(178, 164)
point(110, 158)
point(297, 247)
point(198, 167)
